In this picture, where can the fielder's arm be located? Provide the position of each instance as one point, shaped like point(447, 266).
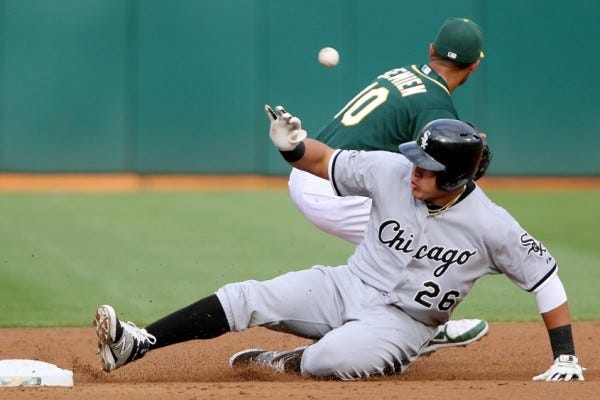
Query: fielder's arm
point(288, 136)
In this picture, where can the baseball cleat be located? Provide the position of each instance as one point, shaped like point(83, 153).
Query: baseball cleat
point(457, 333)
point(115, 351)
point(280, 361)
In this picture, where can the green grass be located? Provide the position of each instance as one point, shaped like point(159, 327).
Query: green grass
point(150, 253)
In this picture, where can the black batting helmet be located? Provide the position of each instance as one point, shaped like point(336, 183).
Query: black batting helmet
point(448, 146)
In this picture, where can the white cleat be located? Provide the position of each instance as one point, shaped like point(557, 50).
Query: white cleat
point(133, 343)
point(457, 333)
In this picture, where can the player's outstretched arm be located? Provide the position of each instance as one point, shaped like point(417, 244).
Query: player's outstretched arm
point(558, 322)
point(316, 158)
point(288, 136)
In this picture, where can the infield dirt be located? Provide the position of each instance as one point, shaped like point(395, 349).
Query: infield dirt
point(500, 366)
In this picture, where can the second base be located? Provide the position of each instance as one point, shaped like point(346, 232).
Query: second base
point(19, 372)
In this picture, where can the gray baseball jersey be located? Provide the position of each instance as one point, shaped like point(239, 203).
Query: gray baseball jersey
point(422, 264)
point(429, 263)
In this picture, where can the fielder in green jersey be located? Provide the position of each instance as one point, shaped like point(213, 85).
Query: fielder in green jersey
point(390, 111)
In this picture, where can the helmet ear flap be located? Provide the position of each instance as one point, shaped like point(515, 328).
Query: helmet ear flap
point(447, 182)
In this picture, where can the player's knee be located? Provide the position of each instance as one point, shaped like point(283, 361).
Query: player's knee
point(320, 361)
point(330, 362)
point(329, 359)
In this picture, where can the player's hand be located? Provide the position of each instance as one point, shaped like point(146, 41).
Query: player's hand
point(565, 368)
point(286, 131)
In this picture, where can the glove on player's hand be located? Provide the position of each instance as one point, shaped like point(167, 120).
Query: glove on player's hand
point(486, 154)
point(565, 368)
point(286, 131)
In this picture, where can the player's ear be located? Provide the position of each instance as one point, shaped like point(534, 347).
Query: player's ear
point(474, 66)
point(431, 50)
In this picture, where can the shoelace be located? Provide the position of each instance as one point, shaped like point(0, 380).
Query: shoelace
point(140, 334)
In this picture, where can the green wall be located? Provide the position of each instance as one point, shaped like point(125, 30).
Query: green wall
point(156, 86)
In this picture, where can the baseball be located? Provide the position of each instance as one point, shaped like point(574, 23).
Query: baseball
point(329, 57)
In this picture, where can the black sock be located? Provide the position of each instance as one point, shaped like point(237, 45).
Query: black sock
point(204, 319)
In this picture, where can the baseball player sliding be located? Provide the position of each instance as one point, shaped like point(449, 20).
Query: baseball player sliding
point(392, 110)
point(426, 244)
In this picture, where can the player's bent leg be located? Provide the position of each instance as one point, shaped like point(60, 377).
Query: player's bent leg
point(457, 333)
point(328, 361)
point(379, 339)
point(119, 343)
point(382, 341)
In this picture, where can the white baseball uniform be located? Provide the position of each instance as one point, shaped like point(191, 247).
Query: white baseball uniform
point(374, 314)
point(343, 216)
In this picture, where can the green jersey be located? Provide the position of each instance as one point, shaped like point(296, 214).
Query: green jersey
point(390, 111)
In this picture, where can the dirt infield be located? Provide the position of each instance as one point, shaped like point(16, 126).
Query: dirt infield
point(498, 367)
point(134, 182)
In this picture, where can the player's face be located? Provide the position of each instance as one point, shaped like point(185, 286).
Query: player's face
point(423, 187)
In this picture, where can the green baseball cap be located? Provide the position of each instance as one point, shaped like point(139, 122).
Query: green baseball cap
point(459, 39)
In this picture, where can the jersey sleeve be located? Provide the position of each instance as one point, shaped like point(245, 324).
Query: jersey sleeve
point(521, 257)
point(361, 173)
point(428, 115)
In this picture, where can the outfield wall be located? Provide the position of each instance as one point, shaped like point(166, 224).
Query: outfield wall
point(154, 86)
